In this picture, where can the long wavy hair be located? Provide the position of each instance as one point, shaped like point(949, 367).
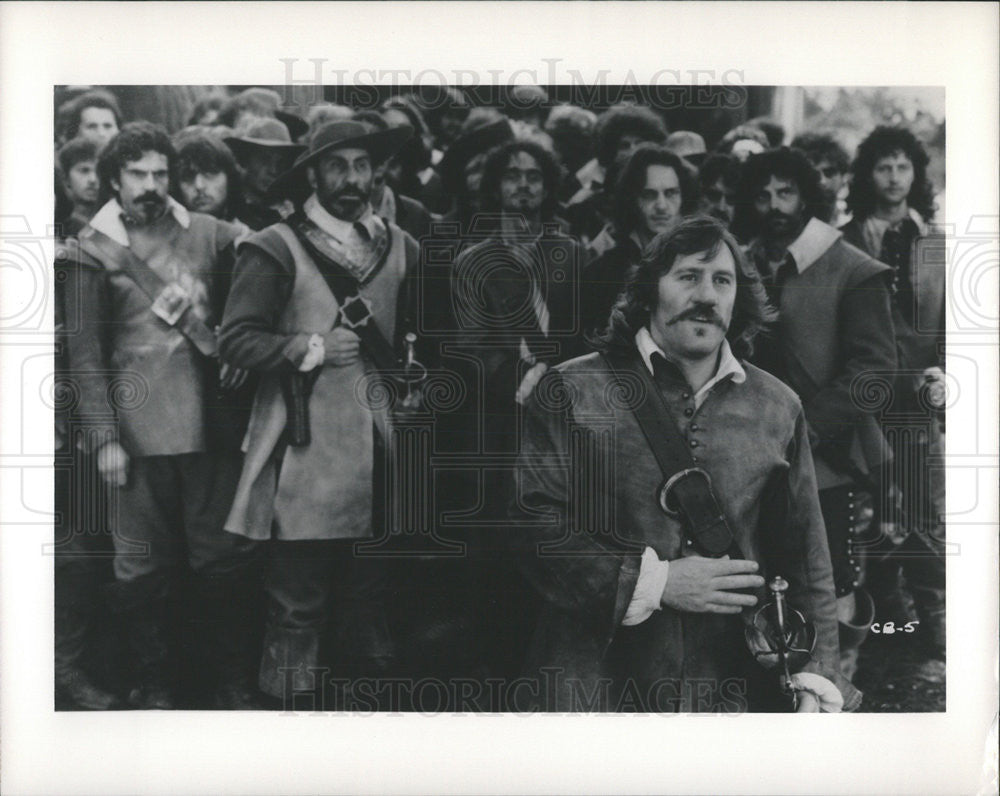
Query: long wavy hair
point(882, 142)
point(199, 150)
point(695, 235)
point(785, 164)
point(496, 162)
point(625, 206)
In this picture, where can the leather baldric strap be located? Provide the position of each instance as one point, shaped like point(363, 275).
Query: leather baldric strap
point(686, 491)
point(169, 301)
point(355, 311)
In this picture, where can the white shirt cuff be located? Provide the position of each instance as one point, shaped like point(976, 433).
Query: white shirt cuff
point(648, 589)
point(315, 354)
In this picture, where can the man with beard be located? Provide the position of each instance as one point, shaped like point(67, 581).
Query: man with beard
point(893, 202)
point(207, 179)
point(650, 480)
point(146, 293)
point(515, 304)
point(319, 303)
point(78, 172)
point(831, 161)
point(654, 190)
point(834, 331)
point(264, 150)
point(718, 176)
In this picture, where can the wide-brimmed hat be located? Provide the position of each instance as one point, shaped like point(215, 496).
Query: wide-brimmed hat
point(297, 126)
point(466, 147)
point(380, 145)
point(265, 133)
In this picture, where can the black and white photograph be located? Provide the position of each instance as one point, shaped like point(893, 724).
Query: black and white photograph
point(329, 454)
point(485, 398)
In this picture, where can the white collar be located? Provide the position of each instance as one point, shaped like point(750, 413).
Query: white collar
point(108, 219)
point(337, 227)
point(728, 364)
point(589, 172)
point(812, 243)
point(918, 219)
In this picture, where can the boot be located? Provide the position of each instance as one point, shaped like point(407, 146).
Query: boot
point(854, 630)
point(289, 662)
point(142, 604)
point(230, 606)
point(930, 605)
point(73, 613)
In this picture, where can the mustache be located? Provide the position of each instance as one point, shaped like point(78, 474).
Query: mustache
point(350, 193)
point(150, 198)
point(777, 215)
point(701, 311)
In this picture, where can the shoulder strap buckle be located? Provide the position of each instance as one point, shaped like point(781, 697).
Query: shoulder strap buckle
point(668, 502)
point(355, 312)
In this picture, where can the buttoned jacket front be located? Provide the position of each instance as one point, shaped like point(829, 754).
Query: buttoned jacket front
point(587, 505)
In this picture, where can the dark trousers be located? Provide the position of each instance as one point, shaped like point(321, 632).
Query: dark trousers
point(171, 513)
point(168, 520)
point(307, 584)
point(917, 470)
point(81, 551)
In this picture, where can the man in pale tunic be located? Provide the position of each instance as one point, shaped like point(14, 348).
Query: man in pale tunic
point(315, 499)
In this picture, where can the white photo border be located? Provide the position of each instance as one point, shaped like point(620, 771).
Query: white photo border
point(953, 45)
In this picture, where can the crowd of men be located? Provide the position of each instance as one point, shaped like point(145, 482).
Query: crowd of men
point(527, 396)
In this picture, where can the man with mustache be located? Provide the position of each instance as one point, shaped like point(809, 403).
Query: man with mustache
point(146, 286)
point(834, 335)
point(316, 300)
point(638, 613)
